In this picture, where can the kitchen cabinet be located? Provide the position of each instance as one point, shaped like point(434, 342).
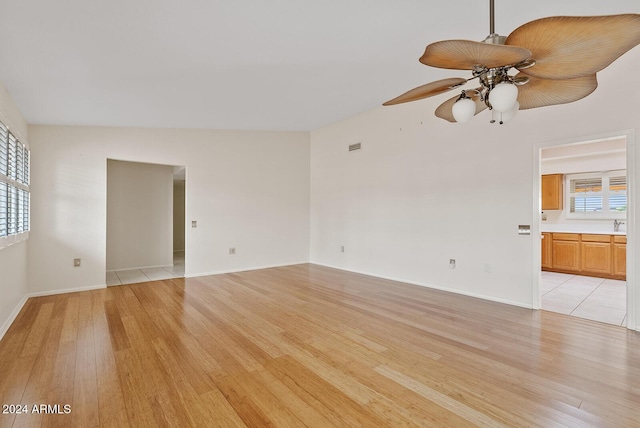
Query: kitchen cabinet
point(546, 250)
point(598, 255)
point(551, 191)
point(620, 256)
point(566, 251)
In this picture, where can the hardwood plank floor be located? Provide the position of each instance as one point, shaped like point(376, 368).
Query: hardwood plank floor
point(307, 345)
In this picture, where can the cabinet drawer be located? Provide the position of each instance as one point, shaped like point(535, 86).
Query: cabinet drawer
point(596, 238)
point(619, 239)
point(566, 237)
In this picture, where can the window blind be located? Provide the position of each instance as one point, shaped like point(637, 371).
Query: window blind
point(4, 149)
point(3, 209)
point(14, 188)
point(586, 195)
point(618, 193)
point(600, 195)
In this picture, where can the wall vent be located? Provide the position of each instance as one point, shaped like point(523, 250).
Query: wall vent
point(356, 146)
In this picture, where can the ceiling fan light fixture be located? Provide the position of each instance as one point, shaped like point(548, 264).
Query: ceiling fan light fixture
point(463, 110)
point(557, 59)
point(503, 97)
point(509, 114)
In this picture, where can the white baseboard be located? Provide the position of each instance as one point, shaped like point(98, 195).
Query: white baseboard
point(221, 272)
point(435, 287)
point(18, 308)
point(66, 290)
point(139, 267)
point(13, 316)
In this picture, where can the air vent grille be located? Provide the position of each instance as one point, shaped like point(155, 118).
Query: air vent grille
point(356, 146)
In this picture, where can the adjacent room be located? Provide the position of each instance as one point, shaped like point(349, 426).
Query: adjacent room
point(583, 224)
point(241, 213)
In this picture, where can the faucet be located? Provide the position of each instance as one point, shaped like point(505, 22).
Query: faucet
point(616, 225)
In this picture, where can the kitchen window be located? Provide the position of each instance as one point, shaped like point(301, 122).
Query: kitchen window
point(597, 195)
point(14, 188)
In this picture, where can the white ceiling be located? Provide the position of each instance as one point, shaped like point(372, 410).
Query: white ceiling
point(236, 64)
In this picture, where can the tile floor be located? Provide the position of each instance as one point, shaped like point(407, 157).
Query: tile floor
point(132, 276)
point(597, 299)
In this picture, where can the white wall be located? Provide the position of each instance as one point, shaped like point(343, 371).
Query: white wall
point(248, 190)
point(422, 191)
point(139, 215)
point(13, 259)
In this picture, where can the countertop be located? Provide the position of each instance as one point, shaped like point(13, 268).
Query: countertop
point(590, 232)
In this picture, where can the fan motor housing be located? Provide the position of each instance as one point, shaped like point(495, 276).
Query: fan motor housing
point(495, 39)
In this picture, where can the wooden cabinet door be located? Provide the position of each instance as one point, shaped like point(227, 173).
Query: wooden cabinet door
point(547, 262)
point(566, 255)
point(551, 191)
point(620, 260)
point(596, 257)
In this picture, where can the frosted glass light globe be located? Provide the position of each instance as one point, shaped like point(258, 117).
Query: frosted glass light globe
point(508, 115)
point(503, 96)
point(463, 110)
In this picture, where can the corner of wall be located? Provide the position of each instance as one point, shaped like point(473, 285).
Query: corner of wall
point(12, 316)
point(13, 259)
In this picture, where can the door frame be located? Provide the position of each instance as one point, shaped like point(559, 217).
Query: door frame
point(633, 164)
point(142, 161)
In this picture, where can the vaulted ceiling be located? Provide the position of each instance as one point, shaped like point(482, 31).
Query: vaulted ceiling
point(241, 64)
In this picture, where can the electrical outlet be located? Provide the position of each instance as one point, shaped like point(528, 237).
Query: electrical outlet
point(232, 251)
point(76, 262)
point(487, 267)
point(452, 263)
point(194, 223)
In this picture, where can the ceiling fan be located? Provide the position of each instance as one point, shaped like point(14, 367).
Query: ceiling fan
point(556, 58)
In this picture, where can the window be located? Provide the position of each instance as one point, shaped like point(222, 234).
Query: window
point(14, 188)
point(597, 195)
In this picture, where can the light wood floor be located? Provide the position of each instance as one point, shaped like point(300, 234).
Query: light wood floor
point(311, 346)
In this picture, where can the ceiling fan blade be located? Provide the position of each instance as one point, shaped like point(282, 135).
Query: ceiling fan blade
point(428, 90)
point(444, 110)
point(566, 47)
point(547, 92)
point(465, 54)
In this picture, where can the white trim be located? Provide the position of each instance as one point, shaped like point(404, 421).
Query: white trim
point(536, 243)
point(428, 285)
point(7, 241)
point(4, 117)
point(633, 288)
point(221, 272)
point(7, 324)
point(12, 317)
point(633, 294)
point(141, 267)
point(67, 290)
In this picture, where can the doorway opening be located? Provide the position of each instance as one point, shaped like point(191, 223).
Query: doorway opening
point(145, 222)
point(584, 203)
